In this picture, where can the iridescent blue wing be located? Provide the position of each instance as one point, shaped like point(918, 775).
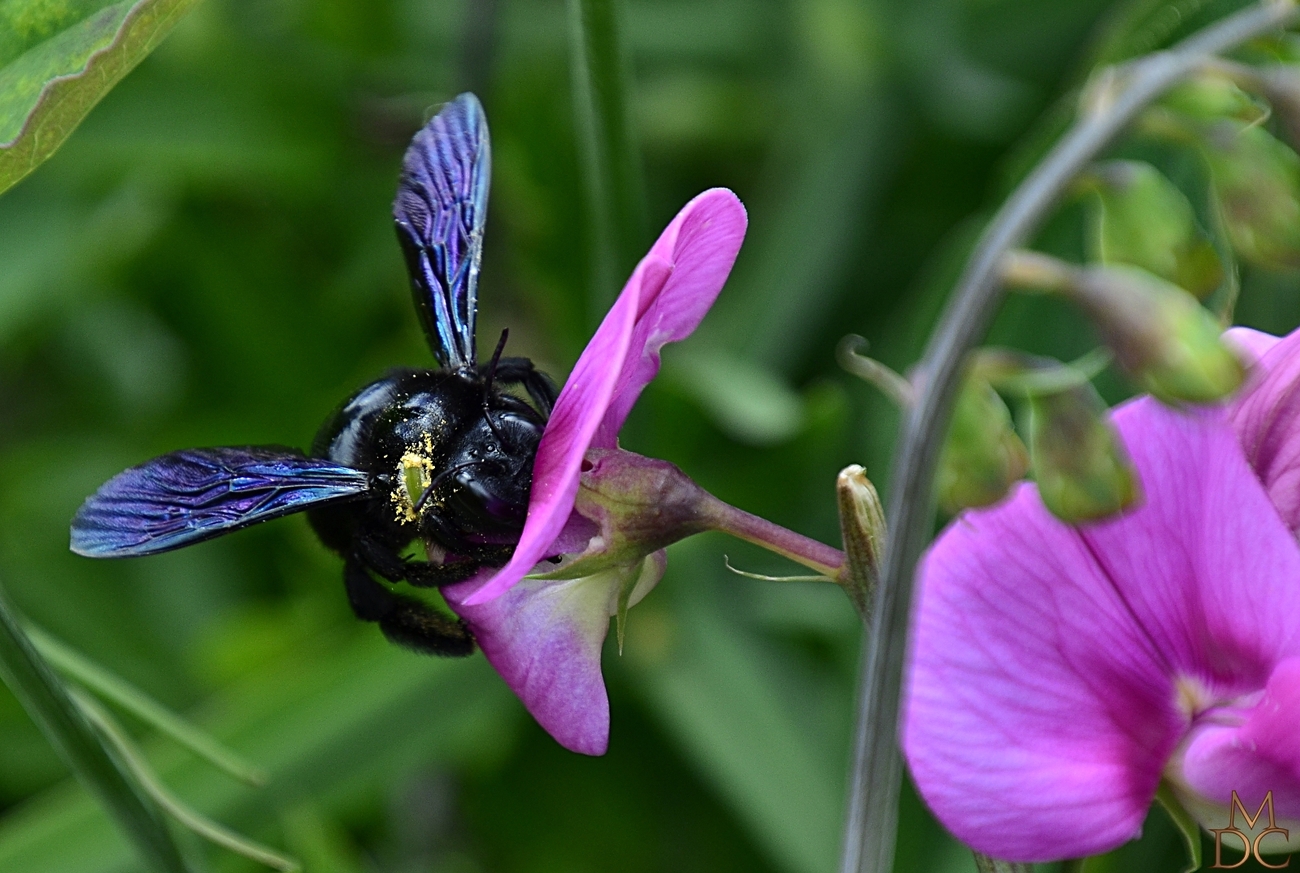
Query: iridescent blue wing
point(440, 209)
point(196, 494)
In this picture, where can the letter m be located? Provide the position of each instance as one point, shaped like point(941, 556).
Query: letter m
point(1250, 820)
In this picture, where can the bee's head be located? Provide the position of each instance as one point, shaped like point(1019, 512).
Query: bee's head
point(490, 474)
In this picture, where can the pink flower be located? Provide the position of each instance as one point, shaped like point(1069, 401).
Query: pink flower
point(544, 635)
point(1060, 673)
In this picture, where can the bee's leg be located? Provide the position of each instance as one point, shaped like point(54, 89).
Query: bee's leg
point(520, 371)
point(429, 575)
point(404, 620)
point(381, 558)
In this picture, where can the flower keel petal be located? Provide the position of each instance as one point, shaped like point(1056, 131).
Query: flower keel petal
point(545, 637)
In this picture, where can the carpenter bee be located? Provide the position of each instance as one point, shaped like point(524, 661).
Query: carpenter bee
point(444, 456)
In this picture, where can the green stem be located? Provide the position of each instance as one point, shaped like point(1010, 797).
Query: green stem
point(205, 827)
point(102, 772)
point(607, 149)
point(823, 559)
point(877, 767)
point(89, 674)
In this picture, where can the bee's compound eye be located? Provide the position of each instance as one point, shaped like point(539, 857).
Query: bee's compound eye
point(486, 500)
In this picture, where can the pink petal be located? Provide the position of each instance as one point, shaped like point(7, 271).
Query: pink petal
point(685, 270)
point(1038, 718)
point(545, 637)
point(1253, 756)
point(1253, 344)
point(1042, 701)
point(1267, 420)
point(670, 291)
point(1206, 566)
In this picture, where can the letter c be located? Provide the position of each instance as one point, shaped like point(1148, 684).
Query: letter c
point(1260, 858)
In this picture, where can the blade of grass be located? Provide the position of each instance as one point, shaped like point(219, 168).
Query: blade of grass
point(47, 701)
point(610, 162)
point(200, 824)
point(311, 716)
point(94, 677)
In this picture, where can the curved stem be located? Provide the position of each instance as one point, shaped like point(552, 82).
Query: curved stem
point(877, 765)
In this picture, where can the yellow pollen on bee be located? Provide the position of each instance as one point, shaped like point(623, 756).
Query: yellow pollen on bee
point(414, 473)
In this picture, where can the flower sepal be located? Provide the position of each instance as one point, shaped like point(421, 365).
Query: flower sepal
point(638, 505)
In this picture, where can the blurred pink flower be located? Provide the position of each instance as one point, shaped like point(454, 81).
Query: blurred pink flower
point(544, 636)
point(1059, 673)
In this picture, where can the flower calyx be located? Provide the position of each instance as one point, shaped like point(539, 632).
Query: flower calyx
point(638, 506)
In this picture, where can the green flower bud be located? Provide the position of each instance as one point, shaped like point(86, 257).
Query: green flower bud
point(1167, 342)
point(1082, 469)
point(1141, 218)
point(862, 523)
point(982, 456)
point(1256, 180)
point(1280, 85)
point(1214, 97)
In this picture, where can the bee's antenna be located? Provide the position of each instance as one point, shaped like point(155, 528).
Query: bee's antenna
point(437, 480)
point(496, 359)
point(491, 374)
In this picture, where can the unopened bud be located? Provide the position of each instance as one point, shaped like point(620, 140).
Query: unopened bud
point(1167, 342)
point(1143, 219)
point(1280, 85)
point(862, 523)
point(1277, 82)
point(1213, 96)
point(1082, 469)
point(1256, 179)
point(982, 456)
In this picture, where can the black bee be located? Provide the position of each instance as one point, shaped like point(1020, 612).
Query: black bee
point(444, 456)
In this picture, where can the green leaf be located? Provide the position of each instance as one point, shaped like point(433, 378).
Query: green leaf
point(46, 700)
point(200, 824)
point(748, 401)
point(58, 59)
point(142, 706)
point(311, 715)
point(1186, 824)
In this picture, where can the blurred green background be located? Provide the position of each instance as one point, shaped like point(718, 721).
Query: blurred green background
point(210, 260)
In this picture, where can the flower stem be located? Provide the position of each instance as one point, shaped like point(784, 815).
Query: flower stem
point(823, 559)
point(877, 767)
